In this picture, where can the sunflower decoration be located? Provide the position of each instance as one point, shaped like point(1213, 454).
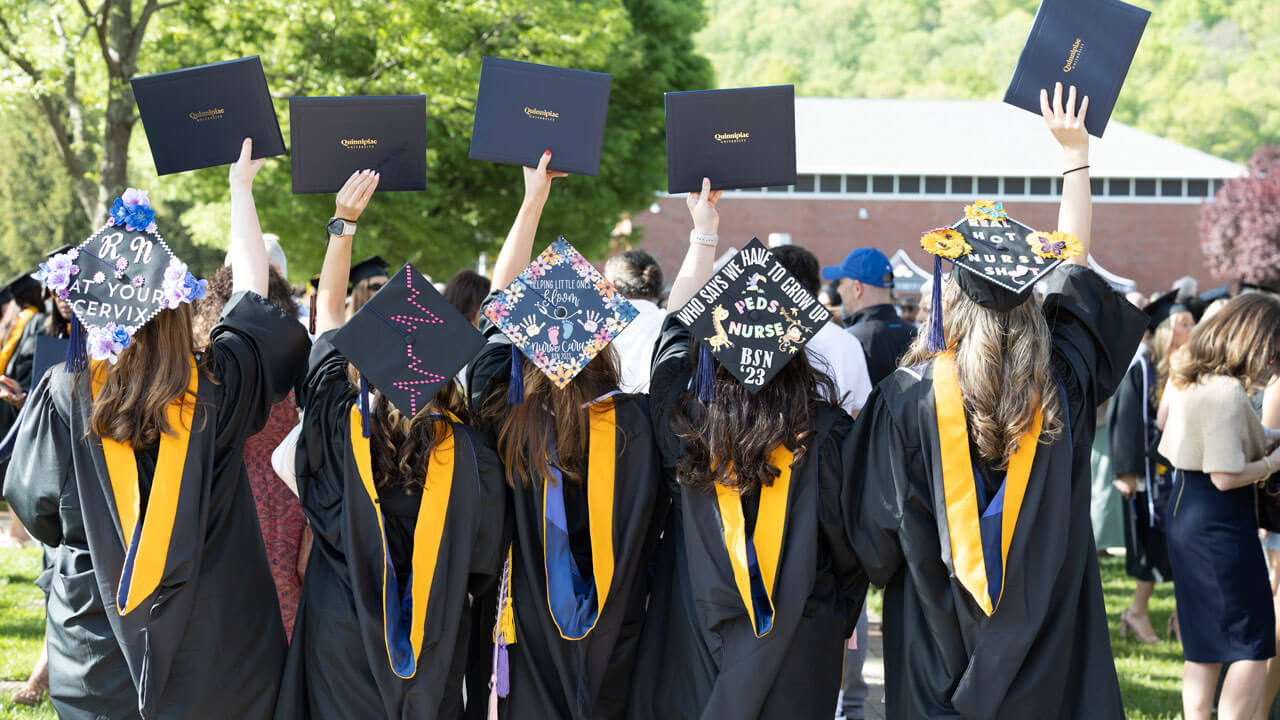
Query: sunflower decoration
point(985, 210)
point(1056, 245)
point(945, 242)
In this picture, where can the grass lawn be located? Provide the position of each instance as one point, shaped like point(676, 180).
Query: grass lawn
point(21, 626)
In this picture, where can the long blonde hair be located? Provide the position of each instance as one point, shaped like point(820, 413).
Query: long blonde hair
point(1242, 342)
point(1002, 360)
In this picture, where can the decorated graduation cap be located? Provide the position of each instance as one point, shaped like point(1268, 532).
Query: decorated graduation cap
point(997, 260)
point(117, 281)
point(370, 267)
point(752, 316)
point(560, 313)
point(408, 341)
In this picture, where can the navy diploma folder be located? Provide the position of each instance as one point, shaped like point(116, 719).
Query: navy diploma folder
point(524, 109)
point(332, 137)
point(1086, 43)
point(198, 117)
point(740, 138)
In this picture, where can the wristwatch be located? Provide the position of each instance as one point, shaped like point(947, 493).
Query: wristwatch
point(340, 227)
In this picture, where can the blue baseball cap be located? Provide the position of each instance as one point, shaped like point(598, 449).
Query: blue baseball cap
point(866, 265)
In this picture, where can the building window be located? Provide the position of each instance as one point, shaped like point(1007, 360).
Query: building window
point(1041, 186)
point(935, 185)
point(1170, 188)
point(1097, 186)
point(1015, 186)
point(961, 185)
point(804, 183)
point(855, 183)
point(1217, 185)
point(988, 186)
point(909, 184)
point(882, 184)
point(1198, 188)
point(1144, 188)
point(778, 188)
point(829, 183)
point(1118, 187)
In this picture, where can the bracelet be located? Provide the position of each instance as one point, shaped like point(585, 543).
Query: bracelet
point(1082, 167)
point(704, 240)
point(1270, 468)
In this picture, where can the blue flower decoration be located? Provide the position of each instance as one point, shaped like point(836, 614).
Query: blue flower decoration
point(139, 217)
point(121, 336)
point(194, 289)
point(119, 213)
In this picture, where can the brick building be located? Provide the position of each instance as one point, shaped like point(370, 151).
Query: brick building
point(880, 172)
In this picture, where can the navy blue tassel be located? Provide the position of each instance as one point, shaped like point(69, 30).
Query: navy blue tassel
point(704, 381)
point(937, 335)
point(77, 347)
point(515, 384)
point(365, 412)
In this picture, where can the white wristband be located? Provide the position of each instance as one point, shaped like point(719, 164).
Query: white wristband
point(705, 240)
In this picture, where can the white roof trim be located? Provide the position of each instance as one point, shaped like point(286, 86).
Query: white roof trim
point(1123, 284)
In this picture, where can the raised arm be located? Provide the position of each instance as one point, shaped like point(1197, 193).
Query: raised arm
point(518, 248)
point(247, 254)
point(331, 294)
point(1075, 214)
point(700, 258)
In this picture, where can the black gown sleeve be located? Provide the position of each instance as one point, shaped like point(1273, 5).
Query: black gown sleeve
point(23, 361)
point(831, 521)
point(491, 368)
point(874, 490)
point(257, 352)
point(1128, 427)
point(326, 396)
point(41, 466)
point(489, 551)
point(1095, 333)
point(671, 377)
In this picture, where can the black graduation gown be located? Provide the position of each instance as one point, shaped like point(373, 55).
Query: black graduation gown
point(24, 355)
point(338, 663)
point(552, 677)
point(699, 655)
point(208, 642)
point(1134, 439)
point(1045, 652)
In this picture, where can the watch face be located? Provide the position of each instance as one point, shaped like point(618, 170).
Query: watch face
point(336, 227)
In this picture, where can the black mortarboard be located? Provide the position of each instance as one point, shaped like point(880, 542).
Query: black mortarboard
point(19, 284)
point(370, 267)
point(1163, 308)
point(117, 280)
point(560, 313)
point(408, 341)
point(753, 316)
point(1246, 287)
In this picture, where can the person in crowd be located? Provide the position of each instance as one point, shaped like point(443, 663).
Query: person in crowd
point(762, 469)
point(22, 317)
point(1271, 543)
point(466, 291)
point(578, 459)
point(909, 309)
point(975, 468)
point(866, 286)
point(171, 614)
point(1142, 475)
point(279, 514)
point(367, 278)
point(830, 298)
point(639, 278)
point(408, 519)
point(1218, 448)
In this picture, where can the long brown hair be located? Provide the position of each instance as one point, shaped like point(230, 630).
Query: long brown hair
point(363, 292)
point(401, 445)
point(152, 372)
point(1161, 348)
point(1241, 341)
point(728, 441)
point(525, 432)
point(1002, 361)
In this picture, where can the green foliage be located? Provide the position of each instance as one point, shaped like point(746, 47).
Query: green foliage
point(1203, 76)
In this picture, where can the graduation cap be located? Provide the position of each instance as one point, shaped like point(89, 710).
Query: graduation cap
point(997, 260)
point(753, 316)
point(408, 341)
point(370, 267)
point(117, 280)
point(17, 286)
point(1163, 308)
point(561, 313)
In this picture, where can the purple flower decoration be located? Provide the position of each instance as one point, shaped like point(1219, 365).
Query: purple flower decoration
point(57, 272)
point(180, 286)
point(107, 342)
point(99, 277)
point(139, 281)
point(122, 264)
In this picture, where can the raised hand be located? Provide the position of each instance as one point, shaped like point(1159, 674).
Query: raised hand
point(702, 207)
point(245, 168)
point(537, 181)
point(1066, 124)
point(355, 194)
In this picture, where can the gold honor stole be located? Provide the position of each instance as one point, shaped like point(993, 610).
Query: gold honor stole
point(11, 343)
point(402, 650)
point(601, 469)
point(147, 539)
point(766, 541)
point(960, 492)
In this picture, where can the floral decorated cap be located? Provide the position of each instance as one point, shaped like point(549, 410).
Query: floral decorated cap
point(118, 280)
point(997, 259)
point(560, 312)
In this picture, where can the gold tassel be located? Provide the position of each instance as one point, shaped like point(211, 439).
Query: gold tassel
point(506, 628)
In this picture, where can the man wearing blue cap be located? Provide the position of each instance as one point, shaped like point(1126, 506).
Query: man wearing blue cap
point(866, 286)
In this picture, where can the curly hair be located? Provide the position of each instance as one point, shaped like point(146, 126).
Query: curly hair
point(636, 274)
point(208, 309)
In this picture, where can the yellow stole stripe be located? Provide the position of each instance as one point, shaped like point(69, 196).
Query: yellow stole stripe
point(601, 469)
point(11, 343)
point(961, 493)
point(427, 533)
point(162, 504)
point(771, 522)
